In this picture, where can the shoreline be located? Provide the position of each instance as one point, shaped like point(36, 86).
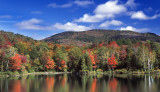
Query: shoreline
point(34, 73)
point(13, 74)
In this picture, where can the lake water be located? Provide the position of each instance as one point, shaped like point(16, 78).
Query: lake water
point(75, 83)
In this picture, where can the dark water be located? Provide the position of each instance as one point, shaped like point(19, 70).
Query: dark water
point(75, 83)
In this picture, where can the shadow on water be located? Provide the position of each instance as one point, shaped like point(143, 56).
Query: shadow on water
point(81, 83)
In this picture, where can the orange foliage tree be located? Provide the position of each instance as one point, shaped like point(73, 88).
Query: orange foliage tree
point(49, 64)
point(62, 66)
point(15, 62)
point(113, 45)
point(112, 62)
point(93, 60)
point(96, 59)
point(100, 45)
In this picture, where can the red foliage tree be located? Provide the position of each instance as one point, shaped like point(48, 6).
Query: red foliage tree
point(112, 62)
point(62, 64)
point(93, 60)
point(68, 48)
point(96, 59)
point(8, 43)
point(58, 45)
point(15, 62)
point(49, 64)
point(113, 45)
point(100, 45)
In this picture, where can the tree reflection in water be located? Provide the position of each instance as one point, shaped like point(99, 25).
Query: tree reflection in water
point(81, 83)
point(63, 82)
point(16, 86)
point(112, 85)
point(93, 87)
point(50, 84)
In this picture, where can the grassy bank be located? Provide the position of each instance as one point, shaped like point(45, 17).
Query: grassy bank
point(24, 73)
point(99, 71)
point(120, 71)
point(124, 71)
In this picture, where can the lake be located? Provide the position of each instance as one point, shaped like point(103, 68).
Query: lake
point(85, 83)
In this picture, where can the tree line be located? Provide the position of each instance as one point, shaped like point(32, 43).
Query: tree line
point(21, 54)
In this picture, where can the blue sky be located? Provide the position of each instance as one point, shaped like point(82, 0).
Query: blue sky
point(42, 18)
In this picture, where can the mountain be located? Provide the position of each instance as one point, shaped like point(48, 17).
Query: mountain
point(99, 35)
point(80, 38)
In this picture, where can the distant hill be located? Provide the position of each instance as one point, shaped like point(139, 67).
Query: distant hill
point(80, 38)
point(9, 38)
point(98, 35)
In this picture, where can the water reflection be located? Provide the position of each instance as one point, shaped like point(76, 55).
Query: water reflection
point(112, 85)
point(49, 84)
point(75, 83)
point(17, 86)
point(93, 87)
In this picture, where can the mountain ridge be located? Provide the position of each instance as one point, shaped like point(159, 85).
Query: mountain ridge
point(99, 35)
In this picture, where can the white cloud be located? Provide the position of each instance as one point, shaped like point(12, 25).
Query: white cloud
point(109, 23)
point(130, 28)
point(103, 11)
point(140, 15)
point(54, 5)
point(71, 27)
point(131, 3)
point(83, 3)
point(36, 24)
point(32, 24)
point(110, 8)
point(6, 16)
point(36, 12)
point(90, 19)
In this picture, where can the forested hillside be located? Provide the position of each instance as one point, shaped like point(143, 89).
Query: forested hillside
point(98, 36)
point(21, 53)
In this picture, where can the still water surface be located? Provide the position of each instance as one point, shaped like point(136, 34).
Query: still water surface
point(75, 83)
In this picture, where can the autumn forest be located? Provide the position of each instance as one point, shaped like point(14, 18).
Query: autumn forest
point(22, 54)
